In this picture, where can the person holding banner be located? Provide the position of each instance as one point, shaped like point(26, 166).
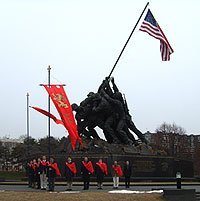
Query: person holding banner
point(101, 170)
point(86, 170)
point(70, 171)
point(52, 172)
point(116, 172)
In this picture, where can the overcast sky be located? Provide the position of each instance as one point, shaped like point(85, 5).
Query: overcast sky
point(81, 41)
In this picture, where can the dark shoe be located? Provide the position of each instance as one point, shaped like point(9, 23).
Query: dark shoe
point(51, 190)
point(69, 189)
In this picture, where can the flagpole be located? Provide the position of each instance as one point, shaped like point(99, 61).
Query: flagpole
point(27, 124)
point(128, 40)
point(49, 110)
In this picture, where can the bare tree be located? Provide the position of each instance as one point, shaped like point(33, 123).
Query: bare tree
point(170, 128)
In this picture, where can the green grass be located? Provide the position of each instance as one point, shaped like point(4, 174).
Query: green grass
point(12, 175)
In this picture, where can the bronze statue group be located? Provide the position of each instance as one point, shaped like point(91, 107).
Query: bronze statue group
point(42, 173)
point(108, 110)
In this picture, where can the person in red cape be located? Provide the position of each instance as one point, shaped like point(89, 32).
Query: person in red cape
point(101, 170)
point(86, 170)
point(43, 173)
point(52, 172)
point(34, 169)
point(38, 173)
point(30, 174)
point(70, 172)
point(116, 173)
point(127, 173)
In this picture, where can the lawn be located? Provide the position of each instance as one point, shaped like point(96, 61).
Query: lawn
point(84, 196)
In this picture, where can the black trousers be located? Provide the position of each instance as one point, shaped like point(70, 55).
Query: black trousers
point(127, 182)
point(100, 179)
point(86, 182)
point(30, 180)
point(38, 181)
point(51, 181)
point(86, 185)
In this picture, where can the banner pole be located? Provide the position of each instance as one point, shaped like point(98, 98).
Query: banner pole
point(128, 40)
point(27, 125)
point(49, 110)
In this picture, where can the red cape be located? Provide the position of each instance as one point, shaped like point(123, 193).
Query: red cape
point(118, 170)
point(43, 163)
point(88, 166)
point(55, 167)
point(72, 167)
point(103, 167)
point(34, 166)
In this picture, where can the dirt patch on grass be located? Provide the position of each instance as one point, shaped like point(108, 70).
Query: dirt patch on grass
point(83, 196)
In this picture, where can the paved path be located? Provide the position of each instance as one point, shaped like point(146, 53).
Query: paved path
point(94, 188)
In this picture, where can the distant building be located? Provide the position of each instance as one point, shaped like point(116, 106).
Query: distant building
point(10, 143)
point(180, 146)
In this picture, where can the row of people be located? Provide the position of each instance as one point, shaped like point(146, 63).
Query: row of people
point(41, 171)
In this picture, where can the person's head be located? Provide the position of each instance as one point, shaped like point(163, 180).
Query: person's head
point(100, 160)
point(69, 160)
point(115, 162)
point(43, 157)
point(127, 163)
point(34, 160)
point(31, 161)
point(38, 160)
point(51, 160)
point(86, 159)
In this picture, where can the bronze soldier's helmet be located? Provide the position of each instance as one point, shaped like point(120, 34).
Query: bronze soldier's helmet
point(90, 94)
point(74, 106)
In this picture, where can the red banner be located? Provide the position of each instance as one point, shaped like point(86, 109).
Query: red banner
point(61, 102)
point(58, 121)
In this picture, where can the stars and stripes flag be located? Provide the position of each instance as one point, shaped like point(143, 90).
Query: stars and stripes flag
point(150, 26)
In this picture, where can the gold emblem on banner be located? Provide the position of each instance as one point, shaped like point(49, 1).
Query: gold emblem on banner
point(60, 100)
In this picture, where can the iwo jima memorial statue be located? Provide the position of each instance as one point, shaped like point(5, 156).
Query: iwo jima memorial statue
point(107, 109)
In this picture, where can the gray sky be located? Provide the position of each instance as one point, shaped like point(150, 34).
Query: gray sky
point(81, 41)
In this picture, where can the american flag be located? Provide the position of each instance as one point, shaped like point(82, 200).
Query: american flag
point(150, 26)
